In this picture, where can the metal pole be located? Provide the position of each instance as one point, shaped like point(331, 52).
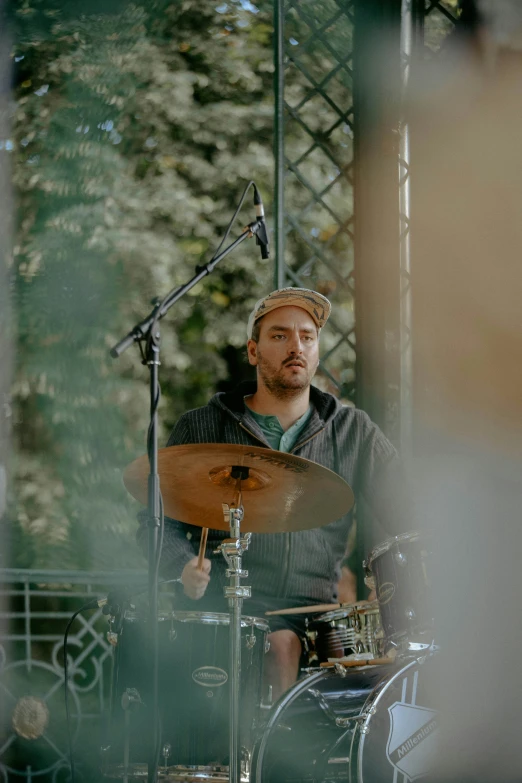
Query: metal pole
point(406, 367)
point(232, 550)
point(235, 686)
point(154, 525)
point(279, 144)
point(377, 74)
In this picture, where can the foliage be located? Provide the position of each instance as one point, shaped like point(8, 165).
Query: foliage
point(134, 133)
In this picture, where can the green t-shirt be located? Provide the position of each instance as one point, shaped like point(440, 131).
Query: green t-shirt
point(271, 428)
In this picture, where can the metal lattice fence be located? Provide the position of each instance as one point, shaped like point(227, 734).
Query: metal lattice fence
point(314, 161)
point(439, 19)
point(33, 736)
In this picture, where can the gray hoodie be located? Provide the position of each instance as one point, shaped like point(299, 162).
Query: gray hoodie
point(301, 567)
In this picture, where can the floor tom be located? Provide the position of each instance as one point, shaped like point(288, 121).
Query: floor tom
point(193, 695)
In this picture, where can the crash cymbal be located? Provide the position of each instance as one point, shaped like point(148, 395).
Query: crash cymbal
point(280, 492)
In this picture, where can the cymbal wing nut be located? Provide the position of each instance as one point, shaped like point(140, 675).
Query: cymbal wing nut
point(236, 572)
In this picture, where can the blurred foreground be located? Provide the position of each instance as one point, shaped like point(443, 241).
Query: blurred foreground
point(468, 375)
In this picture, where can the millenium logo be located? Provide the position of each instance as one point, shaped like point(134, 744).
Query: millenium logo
point(210, 676)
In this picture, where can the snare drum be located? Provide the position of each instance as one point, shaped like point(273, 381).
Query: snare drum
point(193, 669)
point(357, 628)
point(399, 570)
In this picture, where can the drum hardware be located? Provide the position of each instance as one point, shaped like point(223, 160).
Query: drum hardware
point(114, 631)
point(345, 722)
point(308, 642)
point(273, 491)
point(246, 759)
point(267, 705)
point(308, 670)
point(112, 638)
point(165, 752)
point(323, 704)
point(129, 698)
point(347, 632)
point(420, 646)
point(129, 701)
point(250, 640)
point(114, 607)
point(341, 760)
point(401, 559)
point(232, 550)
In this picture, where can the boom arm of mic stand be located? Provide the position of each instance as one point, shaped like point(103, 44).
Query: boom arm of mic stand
point(141, 330)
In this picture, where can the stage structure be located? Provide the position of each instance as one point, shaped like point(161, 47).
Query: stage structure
point(314, 151)
point(343, 180)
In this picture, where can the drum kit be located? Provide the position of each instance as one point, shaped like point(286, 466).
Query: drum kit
point(360, 711)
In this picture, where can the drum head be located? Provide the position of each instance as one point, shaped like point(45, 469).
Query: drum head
point(399, 738)
point(204, 618)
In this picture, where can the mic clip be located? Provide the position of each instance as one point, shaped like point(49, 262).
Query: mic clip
point(262, 239)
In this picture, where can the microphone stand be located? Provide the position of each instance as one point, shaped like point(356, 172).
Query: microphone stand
point(148, 331)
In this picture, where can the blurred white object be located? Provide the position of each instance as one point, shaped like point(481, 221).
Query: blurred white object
point(503, 20)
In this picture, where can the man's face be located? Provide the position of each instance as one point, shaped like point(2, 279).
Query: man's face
point(287, 353)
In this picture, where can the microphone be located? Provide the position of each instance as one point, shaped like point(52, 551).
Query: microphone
point(114, 600)
point(121, 595)
point(262, 233)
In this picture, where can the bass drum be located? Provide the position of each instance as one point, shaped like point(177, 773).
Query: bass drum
point(369, 725)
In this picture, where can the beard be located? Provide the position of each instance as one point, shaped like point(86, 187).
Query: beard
point(281, 383)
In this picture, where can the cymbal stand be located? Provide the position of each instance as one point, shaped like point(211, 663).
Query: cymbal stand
point(232, 549)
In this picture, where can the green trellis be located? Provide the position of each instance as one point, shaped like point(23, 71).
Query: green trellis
point(438, 19)
point(314, 168)
point(316, 131)
point(314, 152)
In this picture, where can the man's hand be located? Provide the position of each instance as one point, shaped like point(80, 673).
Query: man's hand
point(195, 581)
point(347, 587)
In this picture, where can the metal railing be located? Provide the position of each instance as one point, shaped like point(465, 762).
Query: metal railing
point(36, 608)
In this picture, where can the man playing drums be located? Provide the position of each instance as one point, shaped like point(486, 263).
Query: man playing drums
point(283, 411)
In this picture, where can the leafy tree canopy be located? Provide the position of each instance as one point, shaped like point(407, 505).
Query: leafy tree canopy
point(134, 131)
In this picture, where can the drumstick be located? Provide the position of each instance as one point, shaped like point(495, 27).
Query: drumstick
point(365, 662)
point(305, 609)
point(202, 547)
